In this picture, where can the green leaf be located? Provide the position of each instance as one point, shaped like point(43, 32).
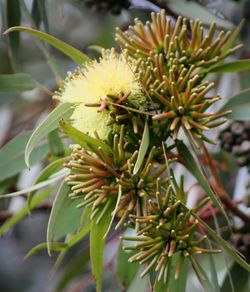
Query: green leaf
point(71, 240)
point(24, 211)
point(212, 258)
point(202, 276)
point(55, 144)
point(226, 246)
point(240, 106)
point(55, 246)
point(6, 184)
point(173, 284)
point(214, 278)
point(235, 66)
point(138, 283)
point(64, 217)
point(64, 110)
point(77, 56)
point(12, 155)
point(115, 210)
point(83, 139)
point(126, 271)
point(240, 279)
point(39, 13)
point(160, 286)
point(194, 10)
point(13, 18)
point(16, 83)
point(143, 148)
point(195, 169)
point(97, 242)
point(74, 269)
point(36, 187)
point(45, 174)
point(74, 238)
point(244, 80)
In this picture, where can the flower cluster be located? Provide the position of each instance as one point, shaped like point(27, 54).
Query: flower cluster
point(101, 180)
point(92, 86)
point(133, 102)
point(171, 61)
point(164, 231)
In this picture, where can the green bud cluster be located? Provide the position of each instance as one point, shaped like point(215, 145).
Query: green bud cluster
point(184, 40)
point(171, 60)
point(166, 229)
point(98, 178)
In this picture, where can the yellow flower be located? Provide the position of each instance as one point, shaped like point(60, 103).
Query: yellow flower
point(111, 76)
point(89, 120)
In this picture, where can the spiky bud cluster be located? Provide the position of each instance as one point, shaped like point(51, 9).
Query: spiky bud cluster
point(99, 179)
point(166, 229)
point(170, 59)
point(236, 139)
point(184, 40)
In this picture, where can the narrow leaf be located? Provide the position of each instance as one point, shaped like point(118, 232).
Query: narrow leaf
point(55, 246)
point(77, 56)
point(12, 155)
point(13, 16)
point(214, 278)
point(35, 187)
point(160, 286)
point(71, 240)
point(240, 279)
point(55, 144)
point(39, 13)
point(64, 217)
point(138, 283)
point(226, 246)
point(194, 10)
point(64, 110)
point(126, 271)
point(240, 106)
point(115, 210)
point(202, 276)
point(73, 270)
point(97, 242)
point(235, 66)
point(16, 83)
point(194, 168)
point(173, 284)
point(143, 149)
point(83, 139)
point(46, 173)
